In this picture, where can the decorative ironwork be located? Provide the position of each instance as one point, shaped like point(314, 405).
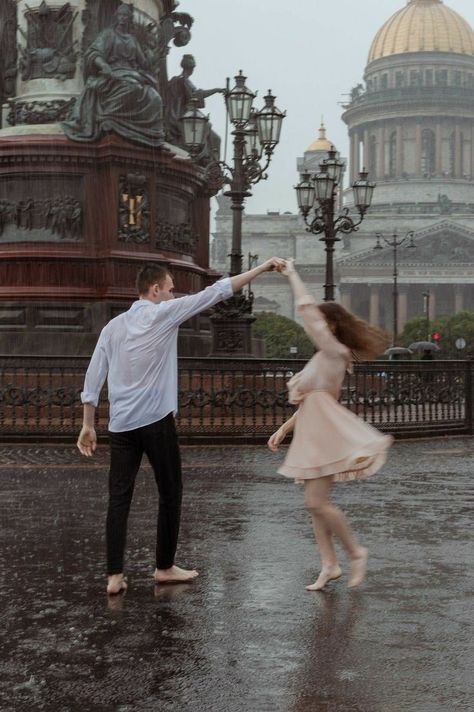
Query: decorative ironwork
point(235, 307)
point(39, 112)
point(8, 41)
point(49, 49)
point(134, 209)
point(230, 399)
point(176, 238)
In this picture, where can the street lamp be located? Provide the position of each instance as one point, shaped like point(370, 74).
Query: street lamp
point(395, 242)
point(319, 191)
point(256, 133)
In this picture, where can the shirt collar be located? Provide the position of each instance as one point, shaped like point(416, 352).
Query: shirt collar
point(141, 303)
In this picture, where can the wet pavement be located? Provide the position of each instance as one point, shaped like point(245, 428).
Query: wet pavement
point(246, 636)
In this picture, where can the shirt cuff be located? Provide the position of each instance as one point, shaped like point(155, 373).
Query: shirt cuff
point(225, 287)
point(89, 398)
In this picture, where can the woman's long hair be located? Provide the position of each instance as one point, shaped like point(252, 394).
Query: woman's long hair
point(364, 340)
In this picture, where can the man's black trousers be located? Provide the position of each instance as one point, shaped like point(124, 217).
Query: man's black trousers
point(160, 443)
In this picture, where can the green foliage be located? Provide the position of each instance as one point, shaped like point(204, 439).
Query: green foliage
point(450, 328)
point(280, 333)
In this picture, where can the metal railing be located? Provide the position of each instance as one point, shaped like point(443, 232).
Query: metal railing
point(226, 400)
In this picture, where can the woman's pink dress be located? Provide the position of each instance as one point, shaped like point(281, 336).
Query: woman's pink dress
point(328, 439)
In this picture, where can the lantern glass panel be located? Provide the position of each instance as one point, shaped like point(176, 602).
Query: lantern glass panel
point(324, 186)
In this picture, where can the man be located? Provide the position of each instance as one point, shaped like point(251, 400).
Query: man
point(137, 352)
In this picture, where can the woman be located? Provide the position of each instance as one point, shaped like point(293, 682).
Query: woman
point(120, 94)
point(330, 443)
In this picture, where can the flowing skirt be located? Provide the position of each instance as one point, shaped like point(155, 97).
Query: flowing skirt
point(329, 439)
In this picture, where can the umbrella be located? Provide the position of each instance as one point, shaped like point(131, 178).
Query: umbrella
point(398, 351)
point(424, 346)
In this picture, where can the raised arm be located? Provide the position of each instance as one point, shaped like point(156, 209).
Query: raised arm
point(240, 280)
point(315, 323)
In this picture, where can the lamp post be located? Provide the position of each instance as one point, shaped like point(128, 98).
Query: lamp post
point(255, 137)
point(319, 191)
point(394, 243)
point(426, 309)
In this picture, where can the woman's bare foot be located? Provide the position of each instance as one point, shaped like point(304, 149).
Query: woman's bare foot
point(358, 568)
point(174, 575)
point(116, 584)
point(327, 574)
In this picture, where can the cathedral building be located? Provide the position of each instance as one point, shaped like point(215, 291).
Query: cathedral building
point(411, 124)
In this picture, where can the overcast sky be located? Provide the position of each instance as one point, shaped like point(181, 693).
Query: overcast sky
point(309, 52)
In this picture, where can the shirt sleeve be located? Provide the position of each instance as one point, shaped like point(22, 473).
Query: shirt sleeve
point(183, 308)
point(96, 374)
point(317, 328)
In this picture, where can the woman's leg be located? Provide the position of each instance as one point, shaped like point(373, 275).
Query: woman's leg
point(329, 518)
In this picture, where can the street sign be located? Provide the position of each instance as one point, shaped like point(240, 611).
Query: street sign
point(460, 343)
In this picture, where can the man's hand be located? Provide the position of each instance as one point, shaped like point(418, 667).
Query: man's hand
point(87, 441)
point(274, 263)
point(239, 281)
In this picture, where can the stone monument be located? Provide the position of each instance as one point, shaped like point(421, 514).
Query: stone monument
point(90, 188)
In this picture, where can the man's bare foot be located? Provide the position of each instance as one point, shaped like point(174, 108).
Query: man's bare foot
point(326, 575)
point(358, 568)
point(116, 584)
point(174, 575)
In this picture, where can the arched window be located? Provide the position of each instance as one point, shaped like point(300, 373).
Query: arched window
point(392, 155)
point(452, 154)
point(428, 152)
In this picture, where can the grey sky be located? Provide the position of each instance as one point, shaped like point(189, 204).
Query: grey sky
point(309, 52)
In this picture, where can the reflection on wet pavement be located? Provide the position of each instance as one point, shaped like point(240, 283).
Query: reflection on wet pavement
point(245, 635)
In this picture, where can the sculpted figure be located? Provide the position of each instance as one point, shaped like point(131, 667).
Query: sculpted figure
point(119, 95)
point(180, 92)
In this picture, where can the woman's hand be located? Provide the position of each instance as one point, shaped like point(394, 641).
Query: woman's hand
point(289, 267)
point(276, 439)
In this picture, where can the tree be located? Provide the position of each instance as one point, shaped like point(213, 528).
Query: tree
point(450, 328)
point(281, 333)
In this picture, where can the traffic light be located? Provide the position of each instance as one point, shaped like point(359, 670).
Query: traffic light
point(436, 336)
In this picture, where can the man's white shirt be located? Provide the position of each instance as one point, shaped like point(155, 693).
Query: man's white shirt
point(137, 353)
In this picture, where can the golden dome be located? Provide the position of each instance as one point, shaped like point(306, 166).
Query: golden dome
point(423, 26)
point(321, 143)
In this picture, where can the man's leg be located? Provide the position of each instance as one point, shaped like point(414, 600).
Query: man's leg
point(160, 442)
point(125, 457)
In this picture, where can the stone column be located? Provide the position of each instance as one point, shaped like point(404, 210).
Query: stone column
point(374, 314)
point(457, 152)
point(381, 156)
point(432, 302)
point(439, 150)
point(399, 156)
point(366, 159)
point(345, 296)
point(458, 299)
point(418, 149)
point(356, 165)
point(402, 308)
point(472, 154)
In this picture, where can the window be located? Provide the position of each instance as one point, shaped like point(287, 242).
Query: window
point(399, 79)
point(384, 81)
point(429, 77)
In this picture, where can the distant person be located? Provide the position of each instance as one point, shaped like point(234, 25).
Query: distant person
point(330, 443)
point(427, 355)
point(137, 353)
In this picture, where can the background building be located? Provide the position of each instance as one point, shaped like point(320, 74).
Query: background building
point(411, 124)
